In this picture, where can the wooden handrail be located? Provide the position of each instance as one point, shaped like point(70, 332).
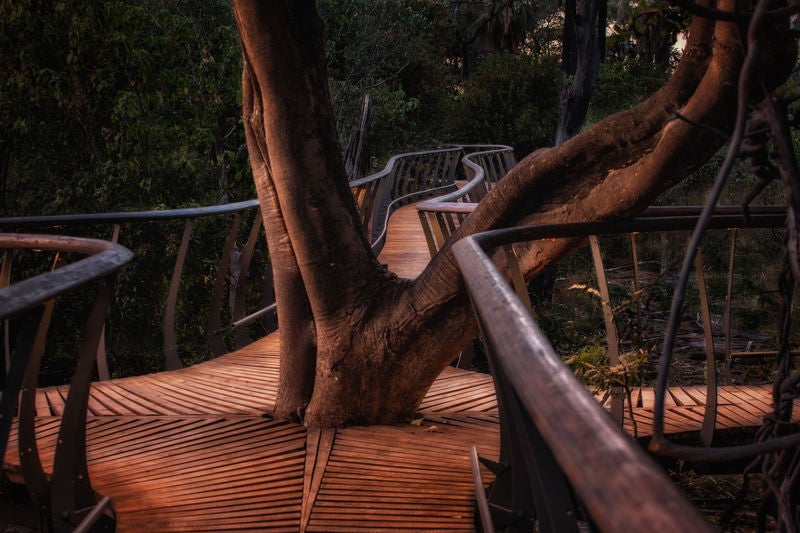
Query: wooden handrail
point(525, 364)
point(558, 418)
point(67, 495)
point(189, 216)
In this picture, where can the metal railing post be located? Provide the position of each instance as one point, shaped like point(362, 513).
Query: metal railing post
point(612, 335)
point(215, 332)
point(171, 305)
point(710, 415)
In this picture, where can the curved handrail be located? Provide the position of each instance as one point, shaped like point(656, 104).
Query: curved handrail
point(103, 258)
point(240, 318)
point(377, 196)
point(441, 216)
point(380, 238)
point(121, 217)
point(478, 182)
point(600, 462)
point(67, 495)
point(554, 411)
point(405, 177)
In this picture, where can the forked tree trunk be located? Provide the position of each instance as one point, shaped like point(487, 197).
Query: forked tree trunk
point(359, 345)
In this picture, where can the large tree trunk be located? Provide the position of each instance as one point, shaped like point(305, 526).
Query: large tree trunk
point(360, 345)
point(583, 48)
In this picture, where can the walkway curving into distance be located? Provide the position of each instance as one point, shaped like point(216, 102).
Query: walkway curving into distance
point(196, 449)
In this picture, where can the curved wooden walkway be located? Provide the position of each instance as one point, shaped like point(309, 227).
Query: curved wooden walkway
point(196, 449)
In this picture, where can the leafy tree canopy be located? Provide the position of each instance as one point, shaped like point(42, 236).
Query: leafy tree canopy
point(136, 104)
point(118, 105)
point(510, 99)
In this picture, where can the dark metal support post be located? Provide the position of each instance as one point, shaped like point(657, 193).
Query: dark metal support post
point(171, 305)
point(710, 416)
point(216, 335)
point(240, 289)
point(612, 336)
point(72, 489)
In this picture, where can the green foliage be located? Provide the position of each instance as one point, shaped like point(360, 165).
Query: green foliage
point(510, 99)
point(125, 105)
point(389, 50)
point(407, 55)
point(646, 30)
point(119, 105)
point(592, 366)
point(623, 84)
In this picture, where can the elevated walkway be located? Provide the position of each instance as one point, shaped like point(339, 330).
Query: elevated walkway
point(196, 449)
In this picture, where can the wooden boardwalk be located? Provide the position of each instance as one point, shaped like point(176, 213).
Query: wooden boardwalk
point(196, 449)
point(405, 251)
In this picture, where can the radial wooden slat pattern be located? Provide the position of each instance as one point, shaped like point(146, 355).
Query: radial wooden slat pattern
point(195, 450)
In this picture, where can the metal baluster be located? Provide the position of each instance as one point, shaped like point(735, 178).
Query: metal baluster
point(36, 481)
point(242, 338)
point(5, 281)
point(636, 285)
point(216, 334)
point(728, 298)
point(710, 415)
point(612, 336)
point(71, 488)
point(425, 219)
point(518, 282)
point(27, 326)
point(102, 359)
point(170, 335)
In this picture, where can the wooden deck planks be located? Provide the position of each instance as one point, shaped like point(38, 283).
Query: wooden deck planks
point(460, 391)
point(185, 457)
point(399, 478)
point(232, 384)
point(190, 454)
point(405, 252)
point(177, 474)
point(192, 450)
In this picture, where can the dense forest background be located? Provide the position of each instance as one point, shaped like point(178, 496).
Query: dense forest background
point(136, 105)
point(126, 105)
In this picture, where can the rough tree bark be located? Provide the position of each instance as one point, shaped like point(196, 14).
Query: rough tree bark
point(359, 345)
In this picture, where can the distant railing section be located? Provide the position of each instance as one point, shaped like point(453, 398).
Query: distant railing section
point(65, 499)
point(442, 215)
point(405, 178)
point(225, 316)
point(562, 458)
